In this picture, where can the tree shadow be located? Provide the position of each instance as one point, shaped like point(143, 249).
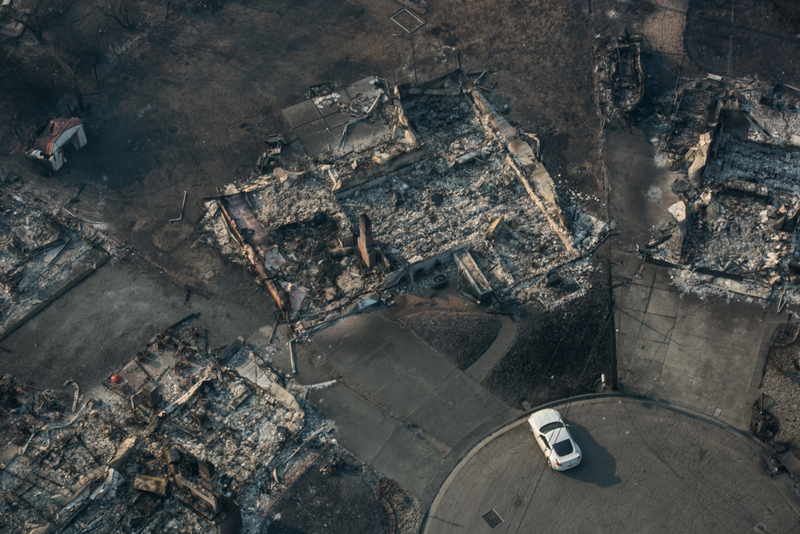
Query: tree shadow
point(597, 465)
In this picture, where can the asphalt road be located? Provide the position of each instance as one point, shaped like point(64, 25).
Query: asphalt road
point(645, 469)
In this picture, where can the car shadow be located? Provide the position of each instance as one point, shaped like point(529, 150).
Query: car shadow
point(597, 465)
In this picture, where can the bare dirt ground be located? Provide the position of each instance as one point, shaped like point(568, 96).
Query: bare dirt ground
point(556, 353)
point(457, 328)
point(745, 38)
point(780, 391)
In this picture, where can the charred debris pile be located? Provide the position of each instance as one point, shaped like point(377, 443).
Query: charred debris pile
point(736, 146)
point(401, 188)
point(180, 438)
point(44, 251)
point(619, 76)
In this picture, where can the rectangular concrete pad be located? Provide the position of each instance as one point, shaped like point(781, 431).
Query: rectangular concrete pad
point(361, 427)
point(301, 114)
point(707, 355)
point(391, 378)
point(409, 460)
point(453, 410)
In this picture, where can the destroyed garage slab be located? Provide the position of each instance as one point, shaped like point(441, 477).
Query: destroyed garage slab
point(301, 114)
point(357, 104)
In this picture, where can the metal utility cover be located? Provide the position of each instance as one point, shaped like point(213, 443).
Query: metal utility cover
point(492, 519)
point(407, 20)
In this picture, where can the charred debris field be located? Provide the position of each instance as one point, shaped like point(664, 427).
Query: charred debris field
point(305, 163)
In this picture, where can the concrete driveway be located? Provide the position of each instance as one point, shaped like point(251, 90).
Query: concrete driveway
point(398, 404)
point(645, 468)
point(705, 355)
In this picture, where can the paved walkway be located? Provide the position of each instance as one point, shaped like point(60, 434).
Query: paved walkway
point(398, 404)
point(707, 356)
point(481, 368)
point(645, 469)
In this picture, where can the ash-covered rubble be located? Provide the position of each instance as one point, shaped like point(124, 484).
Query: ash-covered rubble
point(184, 440)
point(619, 76)
point(44, 250)
point(439, 173)
point(735, 228)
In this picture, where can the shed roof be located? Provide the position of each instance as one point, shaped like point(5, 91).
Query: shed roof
point(46, 141)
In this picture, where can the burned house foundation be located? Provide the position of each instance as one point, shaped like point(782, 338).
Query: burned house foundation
point(734, 230)
point(45, 250)
point(395, 182)
point(178, 438)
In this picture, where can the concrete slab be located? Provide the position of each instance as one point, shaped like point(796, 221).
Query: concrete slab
point(663, 280)
point(364, 135)
point(320, 143)
point(664, 302)
point(645, 367)
point(629, 321)
point(344, 348)
point(311, 128)
point(657, 328)
point(455, 408)
point(301, 114)
point(405, 396)
point(361, 427)
point(626, 344)
point(633, 296)
point(316, 137)
point(391, 382)
point(337, 119)
point(409, 460)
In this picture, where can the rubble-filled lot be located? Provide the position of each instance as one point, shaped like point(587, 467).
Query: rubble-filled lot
point(44, 250)
point(179, 440)
point(734, 230)
point(452, 175)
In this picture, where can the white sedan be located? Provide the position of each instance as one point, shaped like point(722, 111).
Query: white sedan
point(555, 440)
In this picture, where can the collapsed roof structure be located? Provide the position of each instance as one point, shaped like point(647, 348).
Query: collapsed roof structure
point(401, 185)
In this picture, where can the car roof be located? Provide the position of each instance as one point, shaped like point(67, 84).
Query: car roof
point(542, 417)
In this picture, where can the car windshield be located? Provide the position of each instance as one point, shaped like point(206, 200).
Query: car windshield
point(549, 427)
point(563, 448)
